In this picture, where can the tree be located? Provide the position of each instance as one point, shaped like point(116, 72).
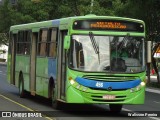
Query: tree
point(21, 13)
point(4, 38)
point(5, 11)
point(149, 11)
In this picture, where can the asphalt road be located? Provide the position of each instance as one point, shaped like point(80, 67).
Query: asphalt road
point(25, 107)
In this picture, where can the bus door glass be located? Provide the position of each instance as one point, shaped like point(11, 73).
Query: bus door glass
point(62, 65)
point(33, 63)
point(13, 59)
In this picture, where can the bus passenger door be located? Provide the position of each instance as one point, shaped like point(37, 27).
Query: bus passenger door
point(33, 64)
point(61, 66)
point(13, 58)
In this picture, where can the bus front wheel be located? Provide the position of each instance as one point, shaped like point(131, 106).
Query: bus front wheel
point(55, 103)
point(22, 93)
point(115, 108)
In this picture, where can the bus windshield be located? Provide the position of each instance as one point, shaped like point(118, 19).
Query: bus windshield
point(106, 53)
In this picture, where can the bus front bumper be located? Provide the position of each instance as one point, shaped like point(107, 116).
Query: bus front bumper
point(130, 96)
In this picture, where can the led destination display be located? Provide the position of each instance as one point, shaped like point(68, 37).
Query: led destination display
point(113, 25)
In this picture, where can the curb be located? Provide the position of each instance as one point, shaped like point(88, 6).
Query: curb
point(3, 64)
point(153, 90)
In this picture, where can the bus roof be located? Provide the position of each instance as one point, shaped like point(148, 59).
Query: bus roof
point(65, 21)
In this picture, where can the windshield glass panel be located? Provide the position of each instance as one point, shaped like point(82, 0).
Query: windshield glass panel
point(106, 53)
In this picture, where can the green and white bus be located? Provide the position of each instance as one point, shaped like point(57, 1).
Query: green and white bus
point(81, 59)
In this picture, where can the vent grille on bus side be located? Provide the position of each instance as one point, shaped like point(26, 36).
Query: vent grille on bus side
point(110, 78)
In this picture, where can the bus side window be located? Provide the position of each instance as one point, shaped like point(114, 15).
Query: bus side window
point(20, 46)
point(42, 42)
point(27, 42)
point(52, 42)
point(12, 41)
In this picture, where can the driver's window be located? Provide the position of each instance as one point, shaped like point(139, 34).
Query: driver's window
point(79, 55)
point(81, 58)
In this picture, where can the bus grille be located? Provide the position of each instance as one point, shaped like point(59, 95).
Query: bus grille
point(110, 78)
point(107, 90)
point(107, 100)
point(100, 99)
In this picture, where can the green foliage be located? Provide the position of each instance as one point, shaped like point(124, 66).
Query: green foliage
point(146, 10)
point(26, 11)
point(5, 17)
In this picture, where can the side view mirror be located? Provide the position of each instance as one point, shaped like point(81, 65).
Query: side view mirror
point(67, 40)
point(149, 53)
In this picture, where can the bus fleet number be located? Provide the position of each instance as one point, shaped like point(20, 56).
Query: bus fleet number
point(99, 84)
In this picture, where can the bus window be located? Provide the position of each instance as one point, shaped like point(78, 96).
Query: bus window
point(42, 42)
point(11, 36)
point(23, 43)
point(52, 42)
point(20, 43)
point(27, 42)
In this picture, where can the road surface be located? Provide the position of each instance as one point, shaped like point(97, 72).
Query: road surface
point(23, 108)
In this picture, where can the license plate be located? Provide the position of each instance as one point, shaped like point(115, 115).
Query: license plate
point(109, 97)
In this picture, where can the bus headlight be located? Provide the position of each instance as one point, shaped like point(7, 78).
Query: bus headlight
point(84, 88)
point(77, 85)
point(137, 88)
point(131, 90)
point(71, 81)
point(74, 83)
point(143, 83)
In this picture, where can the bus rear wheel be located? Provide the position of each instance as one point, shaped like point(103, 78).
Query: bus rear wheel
point(116, 108)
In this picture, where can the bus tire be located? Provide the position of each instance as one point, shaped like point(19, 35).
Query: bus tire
point(22, 93)
point(116, 108)
point(55, 103)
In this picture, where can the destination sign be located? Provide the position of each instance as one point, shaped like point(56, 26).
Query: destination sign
point(108, 25)
point(112, 25)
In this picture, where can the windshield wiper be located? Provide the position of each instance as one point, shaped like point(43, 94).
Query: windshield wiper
point(124, 41)
point(95, 45)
